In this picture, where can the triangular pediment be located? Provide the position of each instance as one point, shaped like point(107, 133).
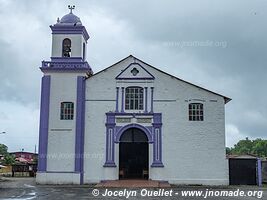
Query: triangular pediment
point(145, 71)
point(135, 71)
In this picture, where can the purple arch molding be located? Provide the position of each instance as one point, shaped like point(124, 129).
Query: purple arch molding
point(138, 126)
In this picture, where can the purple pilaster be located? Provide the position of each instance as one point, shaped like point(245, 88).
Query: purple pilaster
point(145, 99)
point(79, 137)
point(110, 140)
point(157, 145)
point(44, 123)
point(154, 146)
point(152, 99)
point(259, 172)
point(122, 99)
point(117, 99)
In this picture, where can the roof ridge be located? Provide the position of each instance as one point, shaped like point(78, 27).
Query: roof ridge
point(226, 99)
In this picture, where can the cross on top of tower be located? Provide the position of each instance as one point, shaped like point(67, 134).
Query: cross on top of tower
point(71, 8)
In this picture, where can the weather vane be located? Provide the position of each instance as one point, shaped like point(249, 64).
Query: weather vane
point(71, 8)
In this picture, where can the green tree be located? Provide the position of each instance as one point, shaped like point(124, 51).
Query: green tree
point(3, 149)
point(260, 147)
point(9, 159)
point(243, 147)
point(228, 150)
point(256, 147)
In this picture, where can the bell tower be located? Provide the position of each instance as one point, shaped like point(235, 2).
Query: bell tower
point(61, 131)
point(69, 41)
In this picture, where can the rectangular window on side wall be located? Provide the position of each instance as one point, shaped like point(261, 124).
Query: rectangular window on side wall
point(196, 112)
point(66, 110)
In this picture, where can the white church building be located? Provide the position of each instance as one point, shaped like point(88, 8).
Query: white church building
point(128, 121)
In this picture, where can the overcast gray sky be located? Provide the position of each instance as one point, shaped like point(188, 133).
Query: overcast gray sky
point(219, 45)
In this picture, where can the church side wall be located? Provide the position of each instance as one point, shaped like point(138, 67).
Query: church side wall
point(193, 151)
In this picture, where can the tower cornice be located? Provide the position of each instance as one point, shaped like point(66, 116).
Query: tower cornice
point(70, 29)
point(66, 64)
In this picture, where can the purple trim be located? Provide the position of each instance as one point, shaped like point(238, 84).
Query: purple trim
point(79, 137)
point(151, 77)
point(65, 70)
point(110, 119)
point(152, 98)
point(65, 64)
point(117, 99)
point(70, 29)
point(157, 164)
point(145, 99)
point(134, 114)
point(157, 119)
point(259, 172)
point(113, 145)
point(66, 59)
point(157, 145)
point(154, 146)
point(82, 128)
point(122, 99)
point(110, 146)
point(157, 148)
point(44, 123)
point(109, 164)
point(124, 128)
point(135, 78)
point(117, 131)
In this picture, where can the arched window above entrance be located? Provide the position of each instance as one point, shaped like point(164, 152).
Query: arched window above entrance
point(133, 135)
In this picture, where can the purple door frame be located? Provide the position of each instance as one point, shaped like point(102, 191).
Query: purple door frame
point(114, 132)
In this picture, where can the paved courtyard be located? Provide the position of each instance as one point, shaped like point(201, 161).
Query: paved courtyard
point(26, 189)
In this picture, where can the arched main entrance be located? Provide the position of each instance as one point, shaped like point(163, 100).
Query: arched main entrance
point(133, 154)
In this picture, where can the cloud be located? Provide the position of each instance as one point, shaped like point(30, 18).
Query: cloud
point(20, 123)
point(233, 135)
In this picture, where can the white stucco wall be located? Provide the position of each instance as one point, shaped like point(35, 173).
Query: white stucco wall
point(61, 133)
point(58, 178)
point(193, 152)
